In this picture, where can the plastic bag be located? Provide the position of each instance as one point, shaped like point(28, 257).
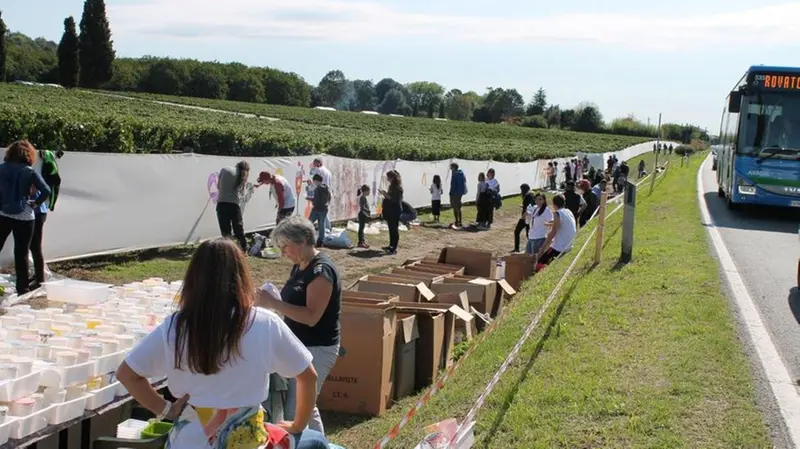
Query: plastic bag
point(441, 433)
point(352, 226)
point(258, 244)
point(338, 239)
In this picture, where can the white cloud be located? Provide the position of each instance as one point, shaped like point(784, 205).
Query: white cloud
point(346, 21)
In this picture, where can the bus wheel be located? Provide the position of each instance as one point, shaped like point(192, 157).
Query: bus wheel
point(721, 192)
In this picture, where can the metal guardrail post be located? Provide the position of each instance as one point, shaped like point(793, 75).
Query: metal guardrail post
point(627, 222)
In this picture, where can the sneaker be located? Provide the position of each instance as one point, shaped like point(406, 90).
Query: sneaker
point(363, 245)
point(391, 251)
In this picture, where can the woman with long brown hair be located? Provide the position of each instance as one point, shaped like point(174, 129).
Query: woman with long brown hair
point(392, 207)
point(231, 186)
point(17, 179)
point(217, 352)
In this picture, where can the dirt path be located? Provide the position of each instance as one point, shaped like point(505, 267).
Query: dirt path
point(171, 263)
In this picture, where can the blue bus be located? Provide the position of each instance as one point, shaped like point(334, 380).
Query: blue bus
point(758, 161)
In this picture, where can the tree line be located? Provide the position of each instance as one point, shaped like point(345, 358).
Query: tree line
point(85, 57)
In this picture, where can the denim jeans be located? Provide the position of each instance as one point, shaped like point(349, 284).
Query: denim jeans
point(324, 359)
point(310, 439)
point(322, 219)
point(534, 245)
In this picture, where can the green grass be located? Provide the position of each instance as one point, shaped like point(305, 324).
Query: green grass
point(638, 355)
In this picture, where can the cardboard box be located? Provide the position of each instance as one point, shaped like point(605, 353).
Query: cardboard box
point(480, 292)
point(460, 299)
point(405, 355)
point(475, 262)
point(504, 293)
point(429, 318)
point(454, 269)
point(408, 291)
point(426, 277)
point(519, 267)
point(361, 382)
point(430, 344)
point(354, 296)
point(440, 270)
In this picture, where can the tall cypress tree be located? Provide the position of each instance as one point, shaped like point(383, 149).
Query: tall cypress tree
point(3, 31)
point(96, 51)
point(68, 55)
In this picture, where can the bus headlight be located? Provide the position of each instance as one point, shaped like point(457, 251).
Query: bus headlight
point(745, 188)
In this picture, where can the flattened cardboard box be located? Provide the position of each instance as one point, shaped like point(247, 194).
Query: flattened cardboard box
point(405, 355)
point(419, 268)
point(454, 269)
point(475, 262)
point(426, 278)
point(407, 291)
point(361, 382)
point(348, 295)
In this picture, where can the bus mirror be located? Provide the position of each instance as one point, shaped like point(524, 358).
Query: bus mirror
point(735, 102)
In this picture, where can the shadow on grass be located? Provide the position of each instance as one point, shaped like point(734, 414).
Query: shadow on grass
point(509, 399)
point(177, 253)
point(619, 266)
point(367, 253)
point(336, 422)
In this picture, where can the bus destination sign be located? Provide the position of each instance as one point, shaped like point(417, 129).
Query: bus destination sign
point(776, 81)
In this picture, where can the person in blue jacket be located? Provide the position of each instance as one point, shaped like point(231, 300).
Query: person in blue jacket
point(17, 216)
point(458, 188)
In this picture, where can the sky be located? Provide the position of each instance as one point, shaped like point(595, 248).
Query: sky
point(678, 58)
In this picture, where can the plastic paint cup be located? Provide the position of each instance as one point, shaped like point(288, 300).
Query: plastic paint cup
point(66, 358)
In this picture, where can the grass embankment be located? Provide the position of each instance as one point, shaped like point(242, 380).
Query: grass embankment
point(640, 355)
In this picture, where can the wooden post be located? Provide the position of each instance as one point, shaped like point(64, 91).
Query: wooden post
point(601, 225)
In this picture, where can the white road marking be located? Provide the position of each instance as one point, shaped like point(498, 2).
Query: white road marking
point(781, 383)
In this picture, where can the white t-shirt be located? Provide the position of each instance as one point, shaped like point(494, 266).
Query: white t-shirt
point(267, 346)
point(436, 193)
point(324, 172)
point(566, 231)
point(538, 229)
point(288, 192)
point(493, 184)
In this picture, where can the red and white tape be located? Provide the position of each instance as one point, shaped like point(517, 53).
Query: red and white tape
point(528, 332)
point(439, 384)
point(518, 347)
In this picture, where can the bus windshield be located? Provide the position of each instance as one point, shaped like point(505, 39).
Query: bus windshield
point(769, 122)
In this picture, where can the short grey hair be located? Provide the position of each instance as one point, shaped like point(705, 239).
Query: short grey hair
point(295, 229)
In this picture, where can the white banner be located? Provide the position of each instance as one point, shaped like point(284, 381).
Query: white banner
point(111, 203)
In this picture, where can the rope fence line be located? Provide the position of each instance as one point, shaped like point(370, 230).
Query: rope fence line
point(532, 327)
point(440, 383)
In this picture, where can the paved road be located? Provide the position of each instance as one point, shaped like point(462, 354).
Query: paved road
point(763, 243)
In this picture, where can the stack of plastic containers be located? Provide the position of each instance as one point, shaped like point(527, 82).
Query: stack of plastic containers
point(59, 361)
point(131, 429)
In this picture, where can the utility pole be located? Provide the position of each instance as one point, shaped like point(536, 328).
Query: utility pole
point(655, 167)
